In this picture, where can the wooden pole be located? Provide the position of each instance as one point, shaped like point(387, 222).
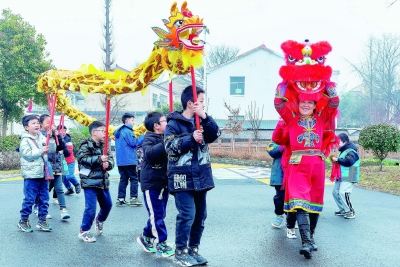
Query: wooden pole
point(195, 96)
point(171, 101)
point(107, 124)
point(52, 111)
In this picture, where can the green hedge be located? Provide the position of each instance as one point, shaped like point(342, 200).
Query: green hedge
point(9, 143)
point(78, 136)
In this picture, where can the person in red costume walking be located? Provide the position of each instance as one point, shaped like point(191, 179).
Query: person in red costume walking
point(307, 102)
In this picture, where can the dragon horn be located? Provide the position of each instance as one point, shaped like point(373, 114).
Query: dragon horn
point(174, 9)
point(184, 6)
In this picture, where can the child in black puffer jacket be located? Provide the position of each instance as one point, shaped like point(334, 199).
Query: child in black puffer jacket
point(153, 182)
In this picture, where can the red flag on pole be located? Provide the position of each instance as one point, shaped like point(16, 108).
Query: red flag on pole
point(29, 109)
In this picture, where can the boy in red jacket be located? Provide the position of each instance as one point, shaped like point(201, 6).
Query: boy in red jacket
point(69, 179)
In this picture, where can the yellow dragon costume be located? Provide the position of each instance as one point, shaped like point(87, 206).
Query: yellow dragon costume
point(175, 51)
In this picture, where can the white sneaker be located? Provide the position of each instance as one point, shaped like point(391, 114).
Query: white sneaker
point(291, 233)
point(277, 222)
point(55, 201)
point(64, 214)
point(87, 236)
point(48, 216)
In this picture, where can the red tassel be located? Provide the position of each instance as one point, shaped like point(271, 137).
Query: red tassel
point(336, 172)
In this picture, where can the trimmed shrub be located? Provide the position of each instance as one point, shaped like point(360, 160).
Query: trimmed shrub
point(77, 139)
point(9, 143)
point(380, 139)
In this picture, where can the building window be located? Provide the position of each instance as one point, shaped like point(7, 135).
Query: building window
point(163, 100)
point(237, 85)
point(155, 100)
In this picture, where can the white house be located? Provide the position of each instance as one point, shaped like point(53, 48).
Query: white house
point(248, 78)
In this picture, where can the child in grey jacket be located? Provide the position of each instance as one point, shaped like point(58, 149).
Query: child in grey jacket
point(33, 158)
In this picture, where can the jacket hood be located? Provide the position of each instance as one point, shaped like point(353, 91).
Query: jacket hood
point(177, 115)
point(347, 146)
point(28, 135)
point(154, 135)
point(117, 133)
point(67, 138)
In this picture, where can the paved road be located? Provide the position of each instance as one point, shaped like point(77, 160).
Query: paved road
point(237, 233)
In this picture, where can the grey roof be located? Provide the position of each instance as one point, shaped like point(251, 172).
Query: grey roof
point(261, 47)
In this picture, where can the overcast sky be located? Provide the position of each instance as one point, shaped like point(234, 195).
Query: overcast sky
point(73, 28)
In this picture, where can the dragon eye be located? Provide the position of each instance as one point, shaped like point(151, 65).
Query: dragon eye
point(291, 59)
point(178, 23)
point(321, 59)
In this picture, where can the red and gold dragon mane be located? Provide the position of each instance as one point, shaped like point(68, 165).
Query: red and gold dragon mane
point(306, 77)
point(305, 74)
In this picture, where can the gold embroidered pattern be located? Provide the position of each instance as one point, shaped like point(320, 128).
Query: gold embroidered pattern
point(309, 136)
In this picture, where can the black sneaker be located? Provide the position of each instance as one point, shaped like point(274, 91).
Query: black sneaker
point(183, 258)
point(194, 252)
point(78, 188)
point(25, 226)
point(44, 226)
point(121, 203)
point(69, 192)
point(146, 243)
point(339, 213)
point(135, 202)
point(163, 250)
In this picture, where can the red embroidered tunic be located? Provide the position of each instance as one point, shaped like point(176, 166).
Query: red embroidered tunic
point(305, 178)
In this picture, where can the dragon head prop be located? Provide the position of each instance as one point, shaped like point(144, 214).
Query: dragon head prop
point(305, 68)
point(184, 30)
point(182, 38)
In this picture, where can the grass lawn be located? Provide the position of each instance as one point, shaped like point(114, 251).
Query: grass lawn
point(387, 180)
point(10, 172)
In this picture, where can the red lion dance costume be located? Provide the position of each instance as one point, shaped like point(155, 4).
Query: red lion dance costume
point(309, 138)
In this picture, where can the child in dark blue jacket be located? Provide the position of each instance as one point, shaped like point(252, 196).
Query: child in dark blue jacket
point(153, 182)
point(189, 173)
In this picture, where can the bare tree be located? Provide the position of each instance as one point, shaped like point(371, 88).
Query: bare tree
point(390, 3)
point(221, 54)
point(234, 124)
point(380, 72)
point(117, 104)
point(218, 55)
point(253, 116)
point(108, 45)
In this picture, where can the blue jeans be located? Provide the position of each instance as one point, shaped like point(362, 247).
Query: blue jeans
point(35, 189)
point(92, 196)
point(192, 212)
point(157, 209)
point(128, 173)
point(58, 187)
point(70, 178)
